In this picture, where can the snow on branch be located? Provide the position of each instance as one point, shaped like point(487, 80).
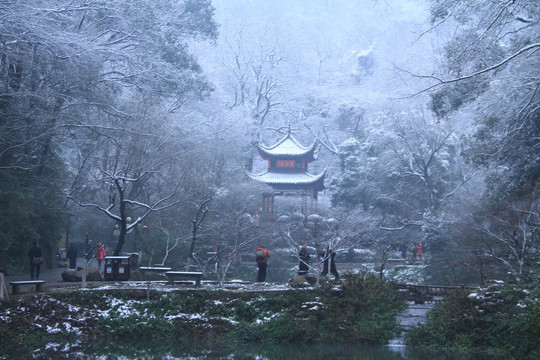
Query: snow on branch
point(107, 211)
point(441, 82)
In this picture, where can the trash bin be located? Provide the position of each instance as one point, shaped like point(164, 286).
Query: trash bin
point(117, 268)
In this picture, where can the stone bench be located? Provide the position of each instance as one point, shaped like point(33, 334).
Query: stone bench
point(153, 269)
point(184, 275)
point(146, 270)
point(17, 284)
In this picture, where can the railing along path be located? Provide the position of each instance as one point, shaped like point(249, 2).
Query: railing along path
point(423, 293)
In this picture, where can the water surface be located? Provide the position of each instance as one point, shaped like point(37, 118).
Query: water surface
point(170, 350)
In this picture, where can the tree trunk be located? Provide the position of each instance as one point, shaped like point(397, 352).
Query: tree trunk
point(123, 223)
point(192, 245)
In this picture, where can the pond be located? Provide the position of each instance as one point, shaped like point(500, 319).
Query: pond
point(160, 350)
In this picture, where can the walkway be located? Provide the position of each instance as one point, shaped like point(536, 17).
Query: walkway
point(52, 277)
point(413, 315)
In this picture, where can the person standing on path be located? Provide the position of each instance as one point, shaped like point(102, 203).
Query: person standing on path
point(403, 250)
point(328, 254)
point(261, 255)
point(350, 255)
point(35, 260)
point(414, 250)
point(303, 254)
point(89, 248)
point(100, 254)
point(419, 250)
point(72, 256)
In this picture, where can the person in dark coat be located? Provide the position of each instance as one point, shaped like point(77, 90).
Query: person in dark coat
point(414, 251)
point(35, 260)
point(89, 248)
point(403, 249)
point(303, 254)
point(350, 255)
point(72, 256)
point(328, 254)
point(261, 255)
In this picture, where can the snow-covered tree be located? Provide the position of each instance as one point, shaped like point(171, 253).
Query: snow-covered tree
point(511, 236)
point(405, 173)
point(490, 67)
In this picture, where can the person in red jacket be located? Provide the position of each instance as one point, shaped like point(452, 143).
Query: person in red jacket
point(261, 254)
point(100, 254)
point(419, 250)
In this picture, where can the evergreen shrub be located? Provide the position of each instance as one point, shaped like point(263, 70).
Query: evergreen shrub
point(361, 308)
point(497, 318)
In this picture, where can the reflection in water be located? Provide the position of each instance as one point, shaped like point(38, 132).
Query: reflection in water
point(170, 350)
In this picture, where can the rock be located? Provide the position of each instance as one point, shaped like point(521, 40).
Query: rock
point(93, 275)
point(70, 276)
point(311, 279)
point(76, 276)
point(298, 281)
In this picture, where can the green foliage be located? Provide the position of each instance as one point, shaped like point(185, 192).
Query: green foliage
point(245, 313)
point(53, 95)
point(496, 319)
point(503, 98)
point(449, 99)
point(362, 310)
point(131, 327)
point(27, 214)
point(515, 167)
point(414, 274)
point(372, 305)
point(11, 341)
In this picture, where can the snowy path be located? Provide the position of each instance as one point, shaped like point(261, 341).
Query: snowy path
point(413, 315)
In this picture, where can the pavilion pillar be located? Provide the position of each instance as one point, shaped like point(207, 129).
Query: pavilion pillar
point(304, 205)
point(268, 203)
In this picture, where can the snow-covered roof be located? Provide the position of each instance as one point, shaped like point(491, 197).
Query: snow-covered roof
point(288, 178)
point(287, 146)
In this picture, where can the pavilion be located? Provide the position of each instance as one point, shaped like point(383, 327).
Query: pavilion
point(287, 173)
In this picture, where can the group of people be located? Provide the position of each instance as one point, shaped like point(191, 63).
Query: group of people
point(35, 255)
point(327, 254)
point(91, 250)
point(416, 250)
point(99, 250)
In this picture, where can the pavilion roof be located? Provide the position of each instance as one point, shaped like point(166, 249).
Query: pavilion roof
point(287, 177)
point(287, 146)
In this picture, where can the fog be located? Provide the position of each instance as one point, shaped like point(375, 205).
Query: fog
point(425, 116)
